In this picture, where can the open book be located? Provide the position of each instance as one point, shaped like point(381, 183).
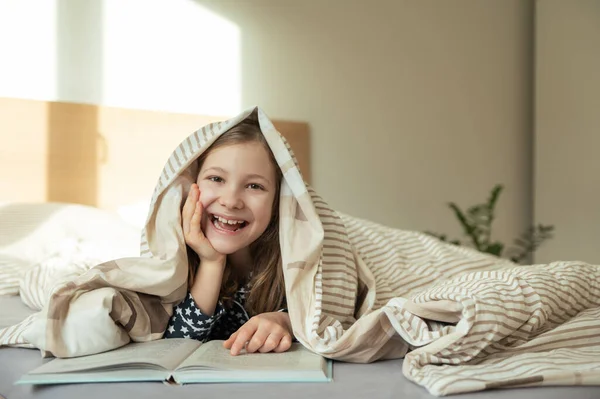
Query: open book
point(184, 361)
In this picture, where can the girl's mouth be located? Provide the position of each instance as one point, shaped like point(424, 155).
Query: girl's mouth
point(227, 225)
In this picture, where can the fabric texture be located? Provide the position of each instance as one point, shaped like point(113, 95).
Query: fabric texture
point(11, 269)
point(40, 242)
point(188, 321)
point(356, 291)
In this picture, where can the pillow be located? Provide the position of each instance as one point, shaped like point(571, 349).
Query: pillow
point(56, 235)
point(10, 274)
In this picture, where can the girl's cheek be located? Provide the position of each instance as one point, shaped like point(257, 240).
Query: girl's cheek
point(207, 195)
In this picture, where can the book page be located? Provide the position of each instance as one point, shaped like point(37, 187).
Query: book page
point(162, 353)
point(212, 355)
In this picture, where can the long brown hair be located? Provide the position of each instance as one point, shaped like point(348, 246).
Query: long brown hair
point(267, 287)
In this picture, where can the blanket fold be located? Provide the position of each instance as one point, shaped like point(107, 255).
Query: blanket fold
point(356, 291)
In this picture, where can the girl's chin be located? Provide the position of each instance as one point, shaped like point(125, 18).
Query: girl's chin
point(225, 248)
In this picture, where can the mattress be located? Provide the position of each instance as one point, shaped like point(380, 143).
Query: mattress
point(382, 379)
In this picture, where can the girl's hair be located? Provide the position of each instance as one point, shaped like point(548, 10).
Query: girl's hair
point(267, 288)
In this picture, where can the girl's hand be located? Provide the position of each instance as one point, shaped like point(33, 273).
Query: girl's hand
point(266, 332)
point(192, 231)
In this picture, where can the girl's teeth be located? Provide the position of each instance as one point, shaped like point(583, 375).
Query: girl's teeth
point(228, 221)
point(218, 220)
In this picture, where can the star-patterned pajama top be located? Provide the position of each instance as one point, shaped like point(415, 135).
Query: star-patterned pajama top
point(188, 321)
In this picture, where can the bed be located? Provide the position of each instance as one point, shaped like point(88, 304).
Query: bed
point(36, 228)
point(377, 380)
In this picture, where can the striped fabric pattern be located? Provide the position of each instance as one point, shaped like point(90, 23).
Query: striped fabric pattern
point(13, 335)
point(356, 291)
point(11, 270)
point(16, 224)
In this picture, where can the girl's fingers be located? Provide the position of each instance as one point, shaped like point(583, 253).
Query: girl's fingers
point(270, 343)
point(284, 344)
point(243, 335)
point(188, 209)
point(258, 340)
point(195, 229)
point(258, 337)
point(227, 344)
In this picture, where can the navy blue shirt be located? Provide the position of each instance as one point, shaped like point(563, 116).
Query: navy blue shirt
point(188, 321)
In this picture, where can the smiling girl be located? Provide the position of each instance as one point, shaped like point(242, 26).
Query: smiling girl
point(230, 224)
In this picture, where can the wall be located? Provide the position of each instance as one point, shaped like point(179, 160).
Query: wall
point(99, 156)
point(567, 134)
point(411, 103)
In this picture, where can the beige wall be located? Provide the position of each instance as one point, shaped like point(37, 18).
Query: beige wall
point(411, 103)
point(90, 154)
point(567, 135)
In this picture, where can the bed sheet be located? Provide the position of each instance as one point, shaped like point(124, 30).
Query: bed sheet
point(382, 379)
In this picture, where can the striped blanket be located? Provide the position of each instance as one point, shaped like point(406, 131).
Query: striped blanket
point(356, 291)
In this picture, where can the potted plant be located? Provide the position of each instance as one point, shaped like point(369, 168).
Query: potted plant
point(477, 221)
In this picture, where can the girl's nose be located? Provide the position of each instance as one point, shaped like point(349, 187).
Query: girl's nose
point(230, 198)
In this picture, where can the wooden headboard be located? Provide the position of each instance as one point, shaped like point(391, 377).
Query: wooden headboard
point(79, 153)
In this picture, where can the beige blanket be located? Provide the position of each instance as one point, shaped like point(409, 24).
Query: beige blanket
point(356, 291)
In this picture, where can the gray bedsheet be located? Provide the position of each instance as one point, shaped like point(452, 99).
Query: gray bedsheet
point(378, 380)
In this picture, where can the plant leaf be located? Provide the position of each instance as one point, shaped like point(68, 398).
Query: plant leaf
point(468, 227)
point(494, 196)
point(495, 248)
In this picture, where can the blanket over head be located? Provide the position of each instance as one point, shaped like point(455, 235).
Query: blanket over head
point(356, 291)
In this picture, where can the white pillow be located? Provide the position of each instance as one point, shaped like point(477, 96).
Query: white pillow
point(34, 232)
point(10, 274)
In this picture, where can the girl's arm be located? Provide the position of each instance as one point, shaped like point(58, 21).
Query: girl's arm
point(207, 281)
point(195, 316)
point(207, 285)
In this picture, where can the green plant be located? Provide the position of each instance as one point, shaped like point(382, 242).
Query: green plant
point(477, 225)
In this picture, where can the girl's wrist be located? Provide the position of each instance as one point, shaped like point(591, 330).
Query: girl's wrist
point(218, 264)
point(212, 270)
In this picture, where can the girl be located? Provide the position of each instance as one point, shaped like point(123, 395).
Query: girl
point(230, 223)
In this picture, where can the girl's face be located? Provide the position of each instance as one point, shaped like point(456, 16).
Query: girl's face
point(237, 190)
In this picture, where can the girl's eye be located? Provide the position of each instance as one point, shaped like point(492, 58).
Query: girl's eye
point(255, 186)
point(215, 179)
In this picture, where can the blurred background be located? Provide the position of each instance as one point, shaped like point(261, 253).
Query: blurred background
point(410, 104)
